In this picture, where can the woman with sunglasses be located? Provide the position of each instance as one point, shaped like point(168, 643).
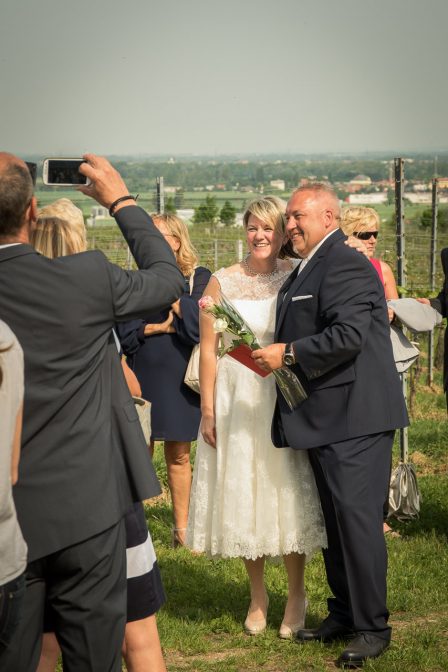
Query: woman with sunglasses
point(364, 224)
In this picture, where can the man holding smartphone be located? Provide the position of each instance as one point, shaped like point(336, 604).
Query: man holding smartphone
point(84, 458)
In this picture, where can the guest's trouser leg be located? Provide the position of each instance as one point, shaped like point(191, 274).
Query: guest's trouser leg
point(353, 477)
point(12, 595)
point(22, 655)
point(386, 501)
point(86, 587)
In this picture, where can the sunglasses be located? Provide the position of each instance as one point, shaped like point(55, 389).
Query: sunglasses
point(365, 235)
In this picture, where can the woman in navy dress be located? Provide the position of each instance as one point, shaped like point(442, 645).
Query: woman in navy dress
point(158, 349)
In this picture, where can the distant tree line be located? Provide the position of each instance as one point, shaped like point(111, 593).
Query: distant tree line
point(193, 174)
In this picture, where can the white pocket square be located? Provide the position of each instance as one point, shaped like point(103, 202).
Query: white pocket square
point(301, 298)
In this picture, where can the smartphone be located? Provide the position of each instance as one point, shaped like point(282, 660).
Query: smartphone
point(63, 173)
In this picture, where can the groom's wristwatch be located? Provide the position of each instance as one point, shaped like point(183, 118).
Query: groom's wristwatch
point(289, 357)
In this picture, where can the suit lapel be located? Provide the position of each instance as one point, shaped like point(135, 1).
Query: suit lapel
point(284, 288)
point(294, 286)
point(290, 288)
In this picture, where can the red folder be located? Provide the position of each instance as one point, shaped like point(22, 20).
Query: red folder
point(242, 354)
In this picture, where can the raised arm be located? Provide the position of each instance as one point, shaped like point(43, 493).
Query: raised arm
point(159, 283)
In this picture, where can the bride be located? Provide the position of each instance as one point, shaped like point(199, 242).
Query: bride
point(250, 499)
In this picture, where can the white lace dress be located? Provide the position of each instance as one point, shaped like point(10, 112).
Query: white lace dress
point(249, 498)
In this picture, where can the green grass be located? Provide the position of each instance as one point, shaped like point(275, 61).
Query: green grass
point(201, 624)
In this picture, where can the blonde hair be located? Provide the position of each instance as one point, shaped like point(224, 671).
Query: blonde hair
point(186, 256)
point(359, 219)
point(270, 210)
point(65, 209)
point(54, 237)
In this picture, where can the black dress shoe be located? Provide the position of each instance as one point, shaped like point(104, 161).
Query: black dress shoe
point(364, 645)
point(328, 631)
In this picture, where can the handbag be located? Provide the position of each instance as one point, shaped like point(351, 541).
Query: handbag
point(405, 353)
point(143, 408)
point(191, 377)
point(404, 494)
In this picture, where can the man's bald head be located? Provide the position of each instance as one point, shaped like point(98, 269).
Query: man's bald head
point(16, 195)
point(322, 191)
point(312, 212)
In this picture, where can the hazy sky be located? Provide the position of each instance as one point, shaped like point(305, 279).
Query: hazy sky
point(234, 76)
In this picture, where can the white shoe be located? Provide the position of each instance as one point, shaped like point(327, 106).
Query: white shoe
point(256, 626)
point(290, 630)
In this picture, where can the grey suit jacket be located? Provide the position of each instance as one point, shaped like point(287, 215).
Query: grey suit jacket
point(84, 459)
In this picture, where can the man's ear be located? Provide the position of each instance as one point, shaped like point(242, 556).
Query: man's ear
point(328, 215)
point(330, 218)
point(31, 212)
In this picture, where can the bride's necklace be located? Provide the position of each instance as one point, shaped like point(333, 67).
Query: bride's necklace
point(264, 276)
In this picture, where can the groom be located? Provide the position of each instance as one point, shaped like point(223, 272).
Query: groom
point(332, 329)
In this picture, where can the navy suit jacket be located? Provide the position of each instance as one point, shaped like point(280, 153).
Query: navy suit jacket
point(334, 312)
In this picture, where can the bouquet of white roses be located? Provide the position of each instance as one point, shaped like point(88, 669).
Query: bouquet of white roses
point(229, 320)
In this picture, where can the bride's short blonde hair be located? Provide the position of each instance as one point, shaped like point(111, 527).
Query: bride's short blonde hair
point(270, 210)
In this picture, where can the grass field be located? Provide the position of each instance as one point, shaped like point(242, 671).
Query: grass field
point(201, 624)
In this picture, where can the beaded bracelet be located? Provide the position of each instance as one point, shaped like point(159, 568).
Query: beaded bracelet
point(128, 197)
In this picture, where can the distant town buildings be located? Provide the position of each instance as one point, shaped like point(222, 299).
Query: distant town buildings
point(186, 214)
point(98, 215)
point(361, 180)
point(358, 183)
point(367, 199)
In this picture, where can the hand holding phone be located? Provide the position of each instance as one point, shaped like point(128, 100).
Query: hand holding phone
point(63, 172)
point(106, 184)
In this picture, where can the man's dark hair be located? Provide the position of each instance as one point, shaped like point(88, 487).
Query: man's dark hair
point(16, 190)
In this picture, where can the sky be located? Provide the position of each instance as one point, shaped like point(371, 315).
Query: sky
point(174, 77)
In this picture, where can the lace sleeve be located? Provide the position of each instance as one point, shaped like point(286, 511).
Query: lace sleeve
point(237, 285)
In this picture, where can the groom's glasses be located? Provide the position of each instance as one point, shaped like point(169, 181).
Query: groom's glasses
point(365, 235)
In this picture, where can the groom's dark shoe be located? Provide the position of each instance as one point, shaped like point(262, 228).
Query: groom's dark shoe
point(328, 631)
point(363, 646)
